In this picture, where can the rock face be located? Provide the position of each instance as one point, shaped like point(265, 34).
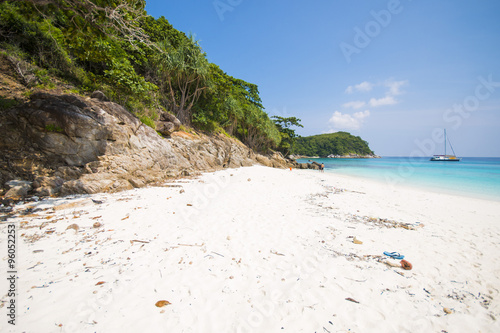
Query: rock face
point(65, 144)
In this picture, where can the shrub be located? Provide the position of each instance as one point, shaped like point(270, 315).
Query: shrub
point(148, 121)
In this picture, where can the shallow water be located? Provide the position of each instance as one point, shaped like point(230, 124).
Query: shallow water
point(472, 176)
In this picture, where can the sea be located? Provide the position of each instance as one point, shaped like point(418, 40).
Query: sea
point(477, 177)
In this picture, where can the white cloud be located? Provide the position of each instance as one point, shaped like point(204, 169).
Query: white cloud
point(362, 87)
point(329, 131)
point(394, 87)
point(387, 100)
point(354, 104)
point(347, 121)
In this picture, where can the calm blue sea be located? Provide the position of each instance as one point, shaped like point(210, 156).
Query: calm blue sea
point(472, 176)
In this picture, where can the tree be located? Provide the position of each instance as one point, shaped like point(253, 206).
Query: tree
point(183, 72)
point(288, 135)
point(216, 103)
point(235, 105)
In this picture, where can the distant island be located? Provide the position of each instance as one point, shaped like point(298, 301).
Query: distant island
point(333, 145)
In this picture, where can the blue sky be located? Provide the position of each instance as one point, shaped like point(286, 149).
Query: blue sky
point(394, 72)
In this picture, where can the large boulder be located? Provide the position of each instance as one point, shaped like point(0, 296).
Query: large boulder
point(167, 124)
point(47, 186)
point(17, 188)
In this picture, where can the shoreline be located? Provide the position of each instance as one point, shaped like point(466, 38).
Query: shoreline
point(423, 188)
point(381, 189)
point(258, 249)
point(403, 174)
point(301, 157)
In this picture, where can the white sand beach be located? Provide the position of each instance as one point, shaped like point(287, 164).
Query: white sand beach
point(257, 249)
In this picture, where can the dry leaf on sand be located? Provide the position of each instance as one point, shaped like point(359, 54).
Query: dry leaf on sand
point(161, 304)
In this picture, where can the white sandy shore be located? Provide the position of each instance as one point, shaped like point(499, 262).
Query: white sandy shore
point(258, 250)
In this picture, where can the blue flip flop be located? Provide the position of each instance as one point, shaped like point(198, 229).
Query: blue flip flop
point(394, 255)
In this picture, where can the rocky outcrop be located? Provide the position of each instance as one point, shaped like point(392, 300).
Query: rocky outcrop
point(313, 165)
point(17, 188)
point(316, 164)
point(167, 124)
point(65, 144)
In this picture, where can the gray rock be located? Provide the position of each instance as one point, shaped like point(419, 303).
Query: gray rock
point(167, 124)
point(18, 188)
point(99, 95)
point(47, 186)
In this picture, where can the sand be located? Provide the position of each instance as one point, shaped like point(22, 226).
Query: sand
point(257, 250)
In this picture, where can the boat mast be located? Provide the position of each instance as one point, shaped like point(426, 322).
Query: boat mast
point(445, 142)
point(452, 150)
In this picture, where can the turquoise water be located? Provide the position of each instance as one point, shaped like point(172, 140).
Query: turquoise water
point(472, 176)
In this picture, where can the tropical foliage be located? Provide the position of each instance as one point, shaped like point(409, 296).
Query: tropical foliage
point(288, 135)
point(339, 143)
point(138, 61)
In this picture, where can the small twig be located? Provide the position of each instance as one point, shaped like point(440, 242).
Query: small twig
point(20, 72)
point(139, 241)
point(351, 300)
point(38, 263)
point(355, 191)
point(356, 280)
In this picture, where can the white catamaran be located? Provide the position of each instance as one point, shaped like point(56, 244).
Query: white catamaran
point(447, 158)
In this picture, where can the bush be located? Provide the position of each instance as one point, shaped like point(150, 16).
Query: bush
point(148, 121)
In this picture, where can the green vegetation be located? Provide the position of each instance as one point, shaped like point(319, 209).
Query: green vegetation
point(339, 143)
point(288, 135)
point(147, 121)
point(138, 61)
point(6, 103)
point(53, 128)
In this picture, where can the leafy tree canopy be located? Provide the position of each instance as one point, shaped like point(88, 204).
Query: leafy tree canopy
point(288, 135)
point(138, 61)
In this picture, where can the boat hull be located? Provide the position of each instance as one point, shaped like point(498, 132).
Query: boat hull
point(445, 159)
